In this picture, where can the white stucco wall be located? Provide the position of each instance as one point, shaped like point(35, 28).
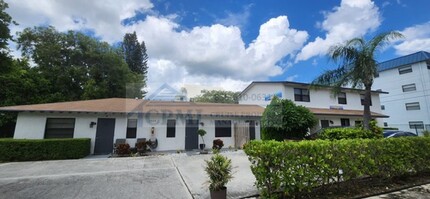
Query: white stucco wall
point(394, 102)
point(31, 125)
point(320, 98)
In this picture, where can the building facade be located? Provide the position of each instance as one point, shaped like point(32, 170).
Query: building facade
point(173, 124)
point(407, 79)
point(343, 109)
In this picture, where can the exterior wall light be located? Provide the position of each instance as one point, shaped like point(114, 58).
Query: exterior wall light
point(92, 124)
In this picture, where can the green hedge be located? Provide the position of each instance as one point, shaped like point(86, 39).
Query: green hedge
point(297, 167)
point(43, 149)
point(347, 133)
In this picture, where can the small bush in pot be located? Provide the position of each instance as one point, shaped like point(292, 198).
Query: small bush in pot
point(202, 133)
point(142, 147)
point(217, 144)
point(219, 171)
point(123, 149)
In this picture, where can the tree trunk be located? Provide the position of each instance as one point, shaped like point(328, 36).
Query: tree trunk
point(367, 116)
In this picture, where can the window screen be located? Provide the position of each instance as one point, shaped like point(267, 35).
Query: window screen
point(416, 125)
point(171, 128)
point(341, 98)
point(409, 87)
point(301, 95)
point(405, 69)
point(222, 128)
point(412, 106)
point(344, 122)
point(59, 127)
point(131, 128)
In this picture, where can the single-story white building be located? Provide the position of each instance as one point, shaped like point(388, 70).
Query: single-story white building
point(173, 124)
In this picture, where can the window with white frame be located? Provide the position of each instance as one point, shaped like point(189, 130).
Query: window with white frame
point(405, 69)
point(341, 98)
point(416, 125)
point(382, 107)
point(301, 95)
point(222, 128)
point(412, 106)
point(171, 128)
point(409, 87)
point(344, 122)
point(131, 128)
point(59, 127)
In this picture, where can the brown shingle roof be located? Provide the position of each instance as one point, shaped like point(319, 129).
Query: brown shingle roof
point(121, 105)
point(339, 112)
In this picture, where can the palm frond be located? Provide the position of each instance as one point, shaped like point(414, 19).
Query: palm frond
point(382, 40)
point(335, 78)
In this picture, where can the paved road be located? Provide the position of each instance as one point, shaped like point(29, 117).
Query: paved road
point(168, 176)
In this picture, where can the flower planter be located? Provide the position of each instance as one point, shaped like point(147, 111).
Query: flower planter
point(219, 194)
point(202, 146)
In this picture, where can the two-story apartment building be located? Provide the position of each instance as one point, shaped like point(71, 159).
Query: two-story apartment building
point(343, 109)
point(407, 79)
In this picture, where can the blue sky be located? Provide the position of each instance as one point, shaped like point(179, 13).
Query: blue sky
point(230, 43)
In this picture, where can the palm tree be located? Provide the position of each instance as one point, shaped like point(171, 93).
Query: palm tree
point(357, 67)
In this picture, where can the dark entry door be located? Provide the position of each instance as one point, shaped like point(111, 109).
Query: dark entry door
point(104, 136)
point(191, 136)
point(252, 130)
point(324, 123)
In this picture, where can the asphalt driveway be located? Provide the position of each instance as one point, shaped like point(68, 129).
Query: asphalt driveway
point(166, 176)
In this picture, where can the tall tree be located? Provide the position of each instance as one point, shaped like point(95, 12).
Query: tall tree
point(135, 55)
point(78, 66)
point(357, 66)
point(218, 96)
point(5, 37)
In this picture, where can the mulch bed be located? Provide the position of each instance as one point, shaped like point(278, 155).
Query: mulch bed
point(367, 187)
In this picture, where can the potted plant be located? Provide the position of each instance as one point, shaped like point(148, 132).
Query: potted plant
point(217, 144)
point(218, 168)
point(202, 133)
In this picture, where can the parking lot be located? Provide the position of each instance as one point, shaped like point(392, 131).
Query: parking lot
point(162, 176)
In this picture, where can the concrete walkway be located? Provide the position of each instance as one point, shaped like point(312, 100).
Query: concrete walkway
point(418, 192)
point(166, 176)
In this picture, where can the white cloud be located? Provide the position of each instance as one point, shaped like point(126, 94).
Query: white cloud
point(218, 52)
point(292, 77)
point(207, 55)
point(239, 19)
point(165, 71)
point(102, 17)
point(353, 18)
point(417, 38)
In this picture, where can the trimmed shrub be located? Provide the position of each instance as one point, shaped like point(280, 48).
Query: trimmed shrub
point(43, 149)
point(283, 119)
point(123, 149)
point(292, 168)
point(347, 133)
point(217, 144)
point(374, 128)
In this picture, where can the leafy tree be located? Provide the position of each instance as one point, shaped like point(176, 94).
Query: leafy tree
point(357, 67)
point(282, 119)
point(20, 85)
point(5, 36)
point(78, 66)
point(218, 96)
point(135, 55)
